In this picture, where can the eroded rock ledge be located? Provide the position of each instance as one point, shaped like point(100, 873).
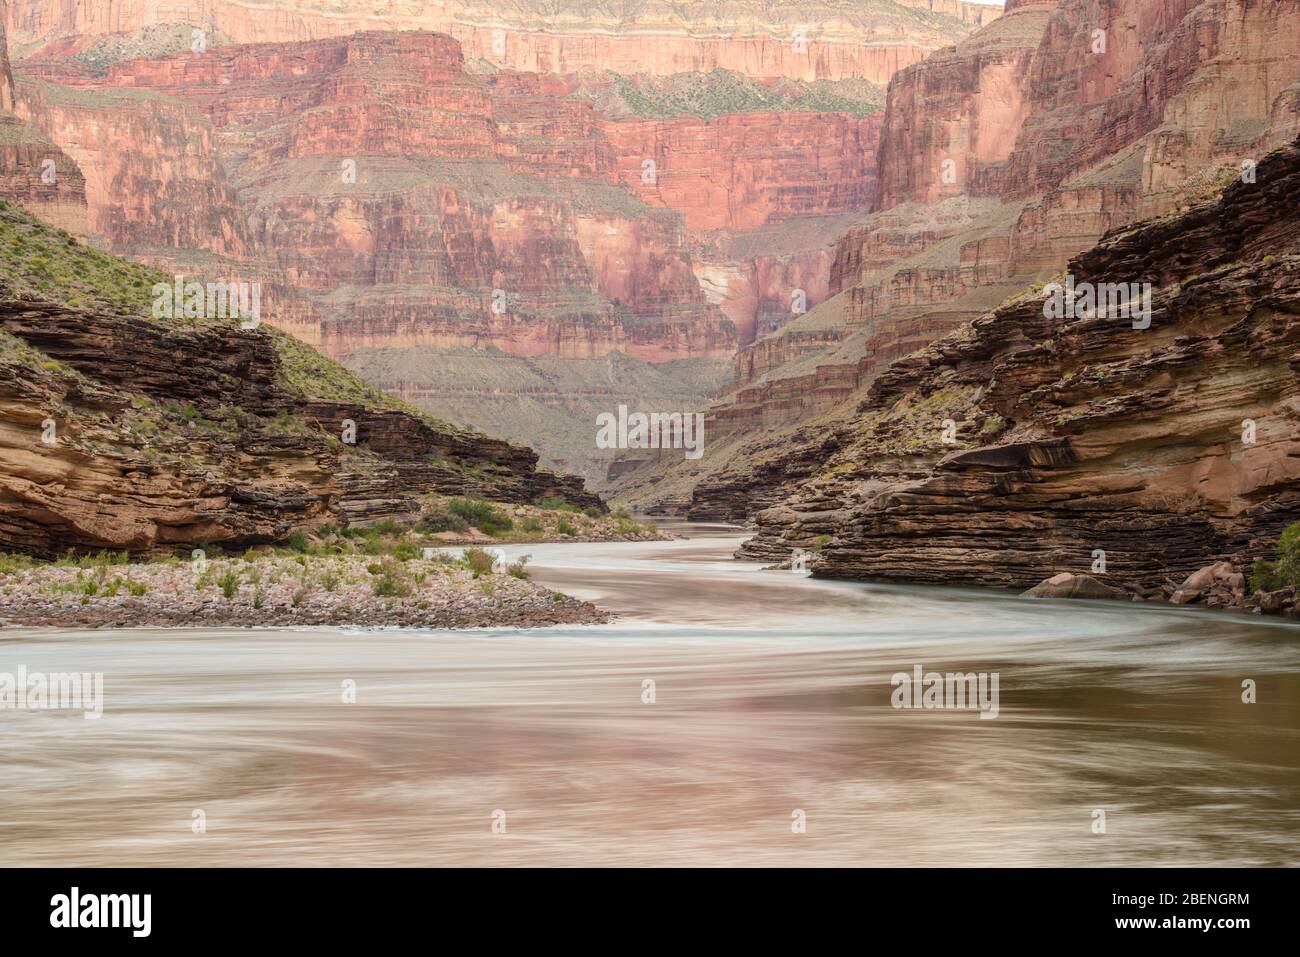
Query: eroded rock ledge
point(170, 433)
point(1168, 448)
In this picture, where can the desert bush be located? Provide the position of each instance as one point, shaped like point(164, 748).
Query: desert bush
point(229, 583)
point(478, 561)
point(481, 515)
point(557, 504)
point(1285, 569)
point(390, 580)
point(441, 521)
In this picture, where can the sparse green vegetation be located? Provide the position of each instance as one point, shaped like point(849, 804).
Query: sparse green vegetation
point(37, 258)
point(1285, 569)
point(391, 580)
point(722, 92)
point(229, 583)
point(478, 561)
point(481, 515)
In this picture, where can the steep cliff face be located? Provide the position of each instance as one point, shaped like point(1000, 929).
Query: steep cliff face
point(390, 196)
point(1166, 448)
point(865, 38)
point(6, 74)
point(152, 182)
point(951, 123)
point(1103, 128)
point(413, 203)
point(131, 433)
point(36, 173)
point(33, 170)
point(1202, 76)
point(751, 169)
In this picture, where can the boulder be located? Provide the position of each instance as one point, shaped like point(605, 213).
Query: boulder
point(1207, 577)
point(1276, 601)
point(1069, 585)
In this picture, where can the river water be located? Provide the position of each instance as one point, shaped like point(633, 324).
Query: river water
point(767, 736)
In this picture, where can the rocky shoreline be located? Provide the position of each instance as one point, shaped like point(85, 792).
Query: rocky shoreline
point(281, 590)
point(1220, 587)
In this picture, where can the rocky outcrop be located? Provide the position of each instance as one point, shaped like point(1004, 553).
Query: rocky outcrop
point(1069, 585)
point(166, 192)
point(34, 171)
point(138, 434)
point(1030, 445)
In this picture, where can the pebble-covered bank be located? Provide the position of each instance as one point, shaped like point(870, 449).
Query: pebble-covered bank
point(282, 590)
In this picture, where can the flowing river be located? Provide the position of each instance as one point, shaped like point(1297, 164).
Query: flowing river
point(732, 715)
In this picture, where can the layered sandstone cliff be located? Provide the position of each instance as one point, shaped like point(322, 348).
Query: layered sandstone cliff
point(487, 208)
point(413, 203)
point(33, 170)
point(863, 38)
point(1044, 135)
point(6, 74)
point(1031, 444)
point(132, 433)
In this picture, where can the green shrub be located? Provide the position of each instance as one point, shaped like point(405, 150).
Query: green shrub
point(531, 523)
point(405, 550)
point(481, 515)
point(517, 569)
point(478, 561)
point(297, 541)
point(1285, 570)
point(388, 526)
point(229, 583)
point(441, 521)
point(391, 580)
point(565, 527)
point(557, 504)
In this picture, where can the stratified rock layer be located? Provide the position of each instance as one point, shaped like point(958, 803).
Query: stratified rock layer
point(1136, 455)
point(867, 38)
point(138, 434)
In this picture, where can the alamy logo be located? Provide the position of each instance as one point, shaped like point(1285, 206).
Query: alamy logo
point(1107, 300)
point(133, 911)
point(61, 691)
point(213, 300)
point(658, 430)
point(952, 691)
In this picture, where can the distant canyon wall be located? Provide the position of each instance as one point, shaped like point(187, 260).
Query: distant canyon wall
point(817, 41)
point(527, 192)
point(1000, 159)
